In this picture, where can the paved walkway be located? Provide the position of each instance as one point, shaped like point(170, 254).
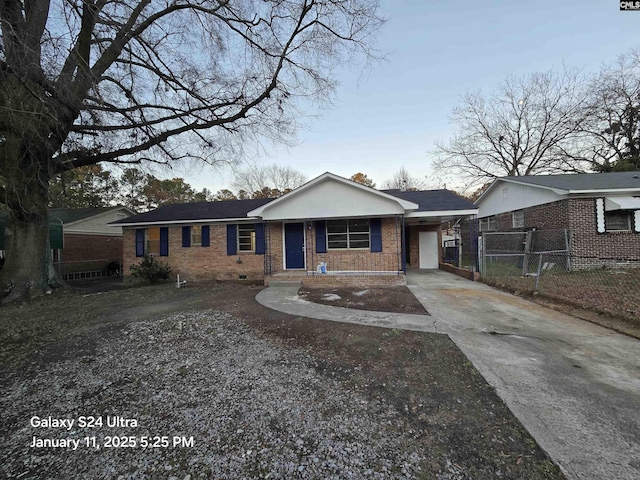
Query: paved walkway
point(575, 386)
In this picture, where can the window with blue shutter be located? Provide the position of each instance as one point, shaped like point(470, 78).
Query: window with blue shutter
point(376, 234)
point(139, 242)
point(164, 242)
point(321, 236)
point(205, 236)
point(232, 239)
point(259, 227)
point(186, 236)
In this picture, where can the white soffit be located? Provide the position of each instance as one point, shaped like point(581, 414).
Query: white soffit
point(621, 203)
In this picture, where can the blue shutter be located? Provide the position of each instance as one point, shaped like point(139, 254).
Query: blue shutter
point(205, 236)
point(164, 242)
point(321, 236)
point(375, 226)
point(139, 242)
point(186, 236)
point(232, 239)
point(259, 238)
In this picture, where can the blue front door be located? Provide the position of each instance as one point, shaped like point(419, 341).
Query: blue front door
point(294, 245)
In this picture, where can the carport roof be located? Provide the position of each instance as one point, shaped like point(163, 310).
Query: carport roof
point(434, 200)
point(576, 183)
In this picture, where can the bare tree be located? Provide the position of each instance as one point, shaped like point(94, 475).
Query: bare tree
point(89, 81)
point(611, 137)
point(260, 178)
point(524, 128)
point(402, 180)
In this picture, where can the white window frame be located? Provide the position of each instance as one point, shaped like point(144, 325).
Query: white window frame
point(147, 242)
point(196, 236)
point(517, 219)
point(246, 227)
point(627, 213)
point(348, 233)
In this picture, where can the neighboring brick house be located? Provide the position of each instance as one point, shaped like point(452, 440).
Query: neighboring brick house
point(91, 246)
point(358, 234)
point(83, 243)
point(601, 211)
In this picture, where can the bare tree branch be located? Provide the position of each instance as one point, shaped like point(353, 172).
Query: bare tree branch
point(89, 81)
point(524, 128)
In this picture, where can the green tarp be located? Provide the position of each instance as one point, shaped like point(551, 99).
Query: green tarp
point(55, 233)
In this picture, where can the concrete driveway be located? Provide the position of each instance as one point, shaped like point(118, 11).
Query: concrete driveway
point(575, 386)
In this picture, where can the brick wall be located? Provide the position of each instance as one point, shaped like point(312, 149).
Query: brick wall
point(550, 216)
point(275, 257)
point(200, 263)
point(317, 280)
point(213, 263)
point(414, 242)
point(389, 260)
point(91, 247)
point(591, 249)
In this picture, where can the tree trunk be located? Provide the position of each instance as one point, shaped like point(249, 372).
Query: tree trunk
point(27, 258)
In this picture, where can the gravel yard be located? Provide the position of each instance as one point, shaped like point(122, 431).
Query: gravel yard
point(258, 393)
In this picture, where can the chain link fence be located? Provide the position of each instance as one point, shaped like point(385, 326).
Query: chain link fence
point(540, 262)
point(462, 250)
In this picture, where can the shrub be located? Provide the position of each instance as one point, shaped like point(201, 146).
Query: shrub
point(151, 270)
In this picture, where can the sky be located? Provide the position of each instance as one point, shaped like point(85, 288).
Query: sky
point(391, 115)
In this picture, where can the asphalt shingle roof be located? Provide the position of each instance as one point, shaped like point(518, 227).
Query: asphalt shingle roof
point(429, 201)
point(582, 181)
point(434, 200)
point(68, 215)
point(197, 211)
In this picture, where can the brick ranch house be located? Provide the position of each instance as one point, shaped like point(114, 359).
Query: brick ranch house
point(329, 230)
point(601, 211)
point(83, 243)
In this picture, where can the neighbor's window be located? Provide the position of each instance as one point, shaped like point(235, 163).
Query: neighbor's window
point(196, 235)
point(247, 238)
point(617, 221)
point(518, 219)
point(346, 234)
point(488, 224)
point(153, 241)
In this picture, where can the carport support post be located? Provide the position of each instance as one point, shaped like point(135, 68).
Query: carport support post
point(403, 247)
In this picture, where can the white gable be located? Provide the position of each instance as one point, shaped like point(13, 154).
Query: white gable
point(330, 196)
point(509, 196)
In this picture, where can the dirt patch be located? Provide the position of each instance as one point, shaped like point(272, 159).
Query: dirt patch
point(455, 420)
point(378, 299)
